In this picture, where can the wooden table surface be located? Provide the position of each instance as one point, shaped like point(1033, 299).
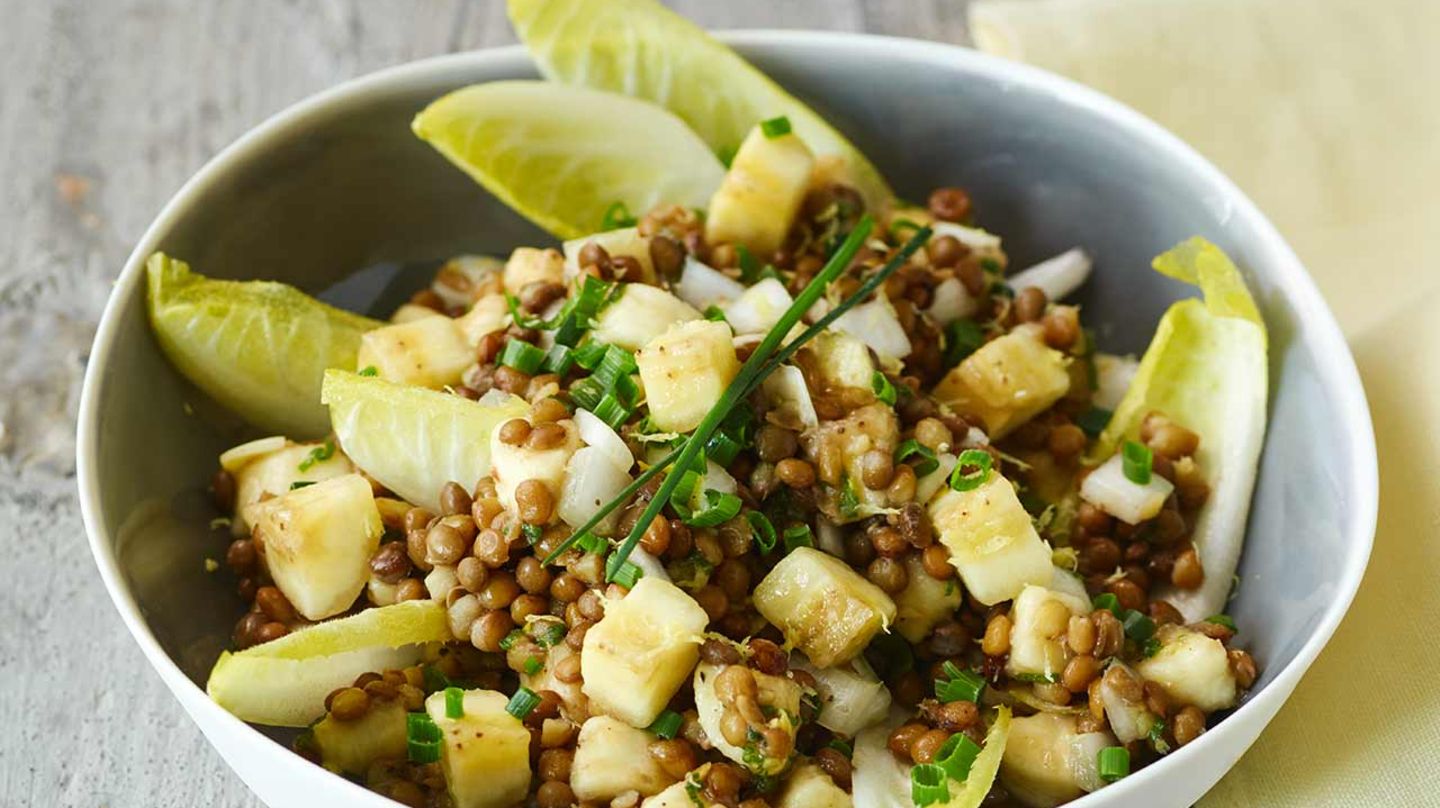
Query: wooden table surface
point(106, 107)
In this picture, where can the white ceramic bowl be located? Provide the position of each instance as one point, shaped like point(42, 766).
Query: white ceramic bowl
point(337, 183)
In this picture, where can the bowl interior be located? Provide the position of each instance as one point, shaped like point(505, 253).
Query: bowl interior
point(345, 186)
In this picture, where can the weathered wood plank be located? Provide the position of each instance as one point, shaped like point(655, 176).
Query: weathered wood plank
point(105, 109)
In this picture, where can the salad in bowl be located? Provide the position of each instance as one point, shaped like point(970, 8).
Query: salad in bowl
point(760, 487)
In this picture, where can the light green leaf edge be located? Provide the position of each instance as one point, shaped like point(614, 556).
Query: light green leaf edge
point(641, 48)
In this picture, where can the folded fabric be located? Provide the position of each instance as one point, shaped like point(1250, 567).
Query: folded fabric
point(1327, 113)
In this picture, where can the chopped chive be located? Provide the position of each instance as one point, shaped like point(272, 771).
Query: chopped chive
point(762, 530)
point(722, 448)
point(532, 666)
point(958, 685)
point(1113, 763)
point(318, 455)
point(532, 533)
point(797, 536)
point(1151, 648)
point(667, 726)
point(625, 573)
point(590, 543)
point(715, 313)
point(617, 362)
point(956, 756)
point(454, 702)
point(590, 354)
point(586, 394)
point(422, 738)
point(369, 370)
point(1137, 462)
point(547, 633)
point(914, 448)
point(522, 356)
point(962, 338)
point(1094, 420)
point(522, 703)
point(775, 127)
point(299, 484)
point(883, 388)
point(928, 785)
point(718, 509)
point(972, 470)
point(1222, 620)
point(899, 225)
point(990, 265)
point(1138, 627)
point(1108, 602)
point(611, 411)
point(727, 155)
point(559, 359)
point(616, 217)
point(435, 679)
point(842, 747)
point(748, 263)
point(515, 635)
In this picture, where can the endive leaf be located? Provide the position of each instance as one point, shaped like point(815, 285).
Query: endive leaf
point(641, 48)
point(1206, 370)
point(284, 682)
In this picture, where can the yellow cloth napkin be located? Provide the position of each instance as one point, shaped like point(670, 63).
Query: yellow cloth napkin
point(1327, 113)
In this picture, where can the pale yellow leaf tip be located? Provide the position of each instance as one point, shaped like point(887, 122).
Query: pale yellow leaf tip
point(1197, 261)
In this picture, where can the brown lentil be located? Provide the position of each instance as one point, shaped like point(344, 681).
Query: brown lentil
point(719, 652)
point(222, 490)
point(888, 574)
point(515, 431)
point(1079, 672)
point(1187, 572)
point(834, 763)
point(444, 545)
point(949, 204)
point(723, 783)
point(933, 434)
point(713, 600)
point(795, 472)
point(775, 443)
point(1129, 593)
point(534, 502)
point(1187, 725)
point(1030, 304)
point(241, 556)
point(889, 543)
point(1156, 700)
point(274, 604)
point(923, 749)
point(546, 436)
point(1165, 614)
point(656, 538)
point(500, 591)
point(1109, 634)
point(410, 589)
point(511, 380)
point(1062, 327)
point(472, 573)
point(528, 605)
point(902, 485)
point(554, 794)
point(1242, 665)
point(567, 670)
point(349, 704)
point(491, 548)
point(767, 657)
point(936, 560)
point(946, 251)
point(904, 737)
point(914, 525)
point(1080, 635)
point(391, 562)
point(675, 756)
point(1100, 555)
point(1066, 442)
point(877, 468)
point(566, 588)
point(996, 641)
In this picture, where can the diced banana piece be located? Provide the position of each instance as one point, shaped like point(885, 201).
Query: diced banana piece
point(489, 314)
point(1040, 618)
point(273, 473)
point(823, 606)
point(779, 697)
point(871, 427)
point(641, 651)
point(428, 352)
point(318, 541)
point(1037, 767)
point(529, 265)
point(410, 312)
point(626, 241)
point(991, 539)
point(841, 360)
point(641, 314)
point(1109, 489)
point(236, 458)
point(924, 602)
point(685, 372)
point(1191, 668)
point(513, 465)
point(351, 746)
point(808, 786)
point(688, 793)
point(1005, 383)
point(485, 753)
point(761, 193)
point(613, 758)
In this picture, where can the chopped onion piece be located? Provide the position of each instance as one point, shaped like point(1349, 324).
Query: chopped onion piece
point(718, 479)
point(760, 308)
point(648, 564)
point(787, 392)
point(703, 286)
point(952, 302)
point(1108, 488)
point(876, 325)
point(972, 237)
point(592, 479)
point(852, 697)
point(595, 432)
point(1057, 277)
point(1113, 375)
point(232, 460)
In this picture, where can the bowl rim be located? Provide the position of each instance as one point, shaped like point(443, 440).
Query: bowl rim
point(1319, 329)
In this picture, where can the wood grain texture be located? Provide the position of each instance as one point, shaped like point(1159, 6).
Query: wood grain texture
point(105, 109)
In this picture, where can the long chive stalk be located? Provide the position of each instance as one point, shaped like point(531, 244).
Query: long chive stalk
point(751, 373)
point(624, 496)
